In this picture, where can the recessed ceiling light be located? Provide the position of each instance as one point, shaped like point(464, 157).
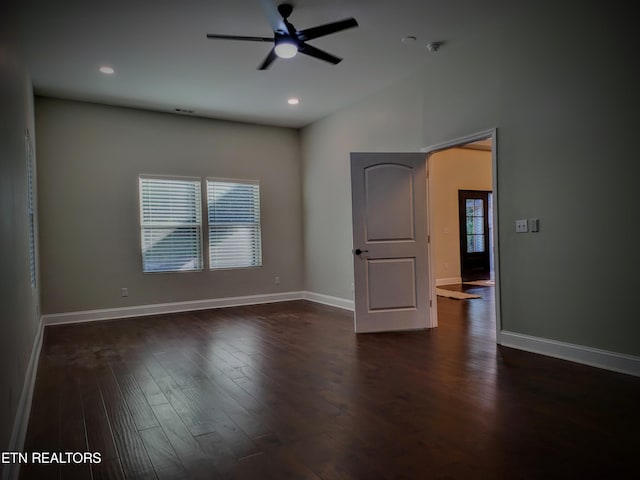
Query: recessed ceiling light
point(107, 70)
point(293, 101)
point(408, 40)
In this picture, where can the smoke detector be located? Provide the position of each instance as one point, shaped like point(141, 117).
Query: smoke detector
point(433, 47)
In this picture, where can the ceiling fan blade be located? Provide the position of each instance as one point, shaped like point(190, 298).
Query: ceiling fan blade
point(269, 60)
point(238, 37)
point(317, 53)
point(290, 29)
point(322, 30)
point(275, 20)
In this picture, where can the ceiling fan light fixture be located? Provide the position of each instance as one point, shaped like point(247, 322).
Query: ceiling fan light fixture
point(287, 41)
point(286, 49)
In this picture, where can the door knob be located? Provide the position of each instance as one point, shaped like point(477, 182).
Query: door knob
point(357, 251)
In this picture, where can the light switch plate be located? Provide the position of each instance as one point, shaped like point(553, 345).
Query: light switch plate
point(534, 225)
point(522, 226)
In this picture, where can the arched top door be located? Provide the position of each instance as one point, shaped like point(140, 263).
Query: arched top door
point(391, 276)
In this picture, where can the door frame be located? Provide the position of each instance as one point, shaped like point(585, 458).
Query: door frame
point(492, 134)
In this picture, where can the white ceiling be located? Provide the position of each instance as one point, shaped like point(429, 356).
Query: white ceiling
point(164, 61)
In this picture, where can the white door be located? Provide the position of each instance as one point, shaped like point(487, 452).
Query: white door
point(391, 275)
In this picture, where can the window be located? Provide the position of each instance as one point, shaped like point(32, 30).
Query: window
point(474, 208)
point(234, 224)
point(30, 208)
point(170, 224)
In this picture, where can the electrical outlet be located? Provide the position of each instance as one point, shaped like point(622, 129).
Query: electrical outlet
point(276, 280)
point(125, 292)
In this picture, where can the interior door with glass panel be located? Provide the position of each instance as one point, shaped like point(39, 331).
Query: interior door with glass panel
point(391, 275)
point(475, 245)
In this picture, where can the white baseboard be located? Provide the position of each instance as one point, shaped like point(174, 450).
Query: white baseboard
point(175, 307)
point(329, 300)
point(594, 357)
point(448, 281)
point(21, 420)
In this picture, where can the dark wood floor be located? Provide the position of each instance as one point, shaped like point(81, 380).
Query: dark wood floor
point(288, 391)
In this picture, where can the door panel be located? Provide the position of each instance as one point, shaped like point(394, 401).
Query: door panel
point(391, 284)
point(391, 276)
point(475, 251)
point(389, 217)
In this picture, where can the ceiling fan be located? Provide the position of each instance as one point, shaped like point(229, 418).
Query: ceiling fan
point(287, 41)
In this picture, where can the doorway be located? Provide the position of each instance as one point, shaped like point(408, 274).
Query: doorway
point(447, 269)
point(388, 191)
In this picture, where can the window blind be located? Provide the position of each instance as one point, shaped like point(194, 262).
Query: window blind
point(170, 224)
point(31, 209)
point(234, 224)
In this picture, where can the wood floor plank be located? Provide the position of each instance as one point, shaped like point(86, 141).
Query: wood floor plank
point(198, 420)
point(140, 410)
point(232, 390)
point(133, 456)
point(99, 434)
point(195, 462)
point(73, 436)
point(236, 440)
point(146, 382)
point(166, 463)
point(320, 454)
point(44, 423)
point(218, 453)
point(283, 462)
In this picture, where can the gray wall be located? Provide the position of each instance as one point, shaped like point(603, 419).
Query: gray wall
point(89, 166)
point(389, 121)
point(568, 155)
point(18, 301)
point(558, 80)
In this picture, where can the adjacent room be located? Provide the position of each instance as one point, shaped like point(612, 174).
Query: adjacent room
point(234, 235)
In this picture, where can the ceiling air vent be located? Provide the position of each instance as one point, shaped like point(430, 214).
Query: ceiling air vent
point(185, 111)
